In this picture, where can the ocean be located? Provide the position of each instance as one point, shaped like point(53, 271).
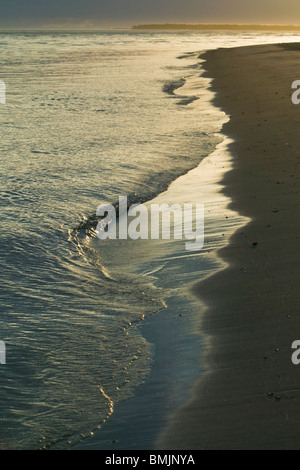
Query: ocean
point(90, 117)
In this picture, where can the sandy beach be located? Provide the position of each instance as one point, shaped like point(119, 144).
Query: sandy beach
point(250, 396)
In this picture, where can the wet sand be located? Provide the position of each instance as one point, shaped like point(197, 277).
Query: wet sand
point(250, 396)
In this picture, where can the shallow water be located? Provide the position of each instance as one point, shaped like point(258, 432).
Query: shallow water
point(89, 117)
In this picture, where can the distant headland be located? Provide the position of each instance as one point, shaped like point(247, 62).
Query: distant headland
point(206, 27)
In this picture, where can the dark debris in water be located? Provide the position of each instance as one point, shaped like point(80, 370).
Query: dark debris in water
point(89, 225)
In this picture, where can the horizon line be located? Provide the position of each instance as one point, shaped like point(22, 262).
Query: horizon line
point(214, 25)
point(162, 26)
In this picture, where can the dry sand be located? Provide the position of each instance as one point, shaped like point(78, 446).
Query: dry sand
point(250, 396)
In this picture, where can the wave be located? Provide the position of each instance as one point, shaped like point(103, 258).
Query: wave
point(172, 85)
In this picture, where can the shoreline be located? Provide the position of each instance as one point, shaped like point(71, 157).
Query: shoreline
point(251, 395)
point(138, 421)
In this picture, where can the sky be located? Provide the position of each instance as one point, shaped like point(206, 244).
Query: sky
point(89, 14)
